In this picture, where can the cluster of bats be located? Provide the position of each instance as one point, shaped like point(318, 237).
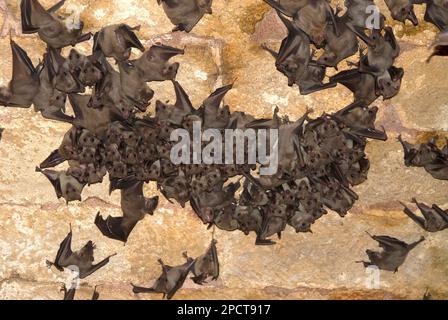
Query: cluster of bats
point(315, 23)
point(320, 159)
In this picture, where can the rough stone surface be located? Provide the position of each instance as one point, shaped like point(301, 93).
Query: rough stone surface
point(223, 48)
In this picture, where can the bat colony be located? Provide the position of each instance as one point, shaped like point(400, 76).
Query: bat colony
point(320, 159)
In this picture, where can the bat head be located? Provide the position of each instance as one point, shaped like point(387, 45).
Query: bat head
point(389, 87)
point(86, 252)
point(60, 74)
point(118, 170)
point(71, 191)
point(87, 155)
point(58, 99)
point(301, 221)
point(328, 59)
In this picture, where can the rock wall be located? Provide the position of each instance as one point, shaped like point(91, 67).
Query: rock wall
point(225, 47)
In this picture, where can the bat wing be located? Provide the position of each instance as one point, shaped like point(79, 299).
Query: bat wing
point(56, 7)
point(431, 15)
point(442, 213)
point(278, 7)
point(34, 16)
point(114, 227)
point(65, 251)
point(180, 282)
point(53, 160)
point(95, 295)
point(371, 133)
point(348, 78)
point(182, 100)
point(164, 52)
point(390, 38)
point(389, 243)
point(214, 260)
point(214, 100)
point(23, 69)
point(127, 34)
point(56, 114)
point(53, 177)
point(94, 267)
point(419, 220)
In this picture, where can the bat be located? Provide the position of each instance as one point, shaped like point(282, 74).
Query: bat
point(134, 206)
point(436, 12)
point(59, 73)
point(338, 47)
point(154, 63)
point(435, 218)
point(419, 155)
point(82, 259)
point(24, 84)
point(1, 133)
point(393, 255)
point(402, 10)
point(312, 18)
point(427, 295)
point(185, 14)
point(171, 279)
point(359, 15)
point(65, 186)
point(175, 114)
point(206, 265)
point(87, 69)
point(116, 41)
point(440, 46)
point(54, 31)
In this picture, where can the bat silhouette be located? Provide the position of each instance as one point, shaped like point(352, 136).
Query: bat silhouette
point(24, 84)
point(82, 259)
point(402, 10)
point(116, 41)
point(185, 14)
point(64, 185)
point(435, 218)
point(54, 31)
point(134, 206)
point(171, 279)
point(154, 63)
point(206, 265)
point(393, 255)
point(440, 45)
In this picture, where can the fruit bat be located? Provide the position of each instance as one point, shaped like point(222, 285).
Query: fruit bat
point(358, 14)
point(154, 63)
point(440, 45)
point(215, 116)
point(338, 48)
point(116, 41)
point(435, 218)
point(59, 73)
point(436, 12)
point(393, 255)
point(64, 185)
point(134, 206)
point(185, 14)
point(313, 18)
point(402, 10)
point(206, 265)
point(52, 29)
point(87, 69)
point(171, 279)
point(82, 259)
point(24, 84)
point(175, 114)
point(420, 155)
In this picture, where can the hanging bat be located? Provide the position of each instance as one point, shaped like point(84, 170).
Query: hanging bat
point(116, 41)
point(402, 10)
point(185, 14)
point(214, 115)
point(393, 255)
point(154, 63)
point(134, 206)
point(171, 279)
point(54, 31)
point(64, 185)
point(359, 15)
point(419, 155)
point(175, 114)
point(338, 48)
point(59, 73)
point(87, 69)
point(440, 46)
point(312, 18)
point(24, 84)
point(435, 218)
point(206, 266)
point(82, 259)
point(70, 293)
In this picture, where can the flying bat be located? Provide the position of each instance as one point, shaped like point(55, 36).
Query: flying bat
point(185, 14)
point(134, 206)
point(171, 279)
point(52, 29)
point(82, 259)
point(393, 255)
point(116, 41)
point(206, 265)
point(24, 84)
point(435, 218)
